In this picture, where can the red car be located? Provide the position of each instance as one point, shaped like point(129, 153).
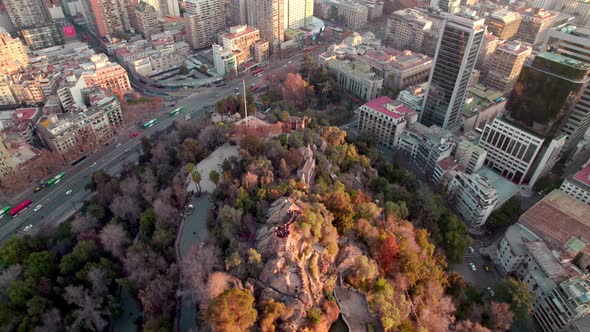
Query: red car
point(134, 135)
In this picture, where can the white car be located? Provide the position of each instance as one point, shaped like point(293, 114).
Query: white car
point(118, 145)
point(38, 207)
point(472, 267)
point(188, 117)
point(491, 291)
point(27, 228)
point(93, 165)
point(68, 192)
point(471, 250)
point(289, 61)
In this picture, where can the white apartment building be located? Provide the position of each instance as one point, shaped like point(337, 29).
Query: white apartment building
point(578, 184)
point(298, 13)
point(473, 198)
point(471, 156)
point(385, 118)
point(224, 60)
point(413, 96)
point(202, 21)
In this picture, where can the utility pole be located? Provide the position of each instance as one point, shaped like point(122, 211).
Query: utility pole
point(245, 103)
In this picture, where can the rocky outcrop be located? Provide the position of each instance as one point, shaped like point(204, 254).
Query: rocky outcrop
point(295, 271)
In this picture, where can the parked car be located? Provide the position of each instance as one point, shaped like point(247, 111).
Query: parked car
point(486, 268)
point(491, 291)
point(472, 267)
point(471, 250)
point(38, 207)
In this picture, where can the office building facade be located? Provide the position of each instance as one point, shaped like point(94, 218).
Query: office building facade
point(505, 65)
point(204, 19)
point(454, 61)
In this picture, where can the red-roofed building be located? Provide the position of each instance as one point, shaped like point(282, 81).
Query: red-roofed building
point(578, 185)
point(385, 118)
point(25, 120)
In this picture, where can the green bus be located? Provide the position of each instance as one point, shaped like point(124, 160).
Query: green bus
point(4, 211)
point(176, 111)
point(56, 179)
point(150, 123)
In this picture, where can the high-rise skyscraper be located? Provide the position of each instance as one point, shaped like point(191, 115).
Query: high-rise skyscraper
point(448, 6)
point(165, 7)
point(268, 16)
point(106, 17)
point(27, 13)
point(204, 19)
point(298, 13)
point(454, 60)
point(574, 42)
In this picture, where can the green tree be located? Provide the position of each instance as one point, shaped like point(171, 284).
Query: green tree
point(84, 252)
point(507, 214)
point(16, 249)
point(147, 223)
point(455, 237)
point(96, 211)
point(515, 293)
point(195, 174)
point(231, 311)
point(214, 177)
point(203, 69)
point(183, 70)
point(39, 264)
point(398, 209)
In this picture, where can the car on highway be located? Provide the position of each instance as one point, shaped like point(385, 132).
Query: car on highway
point(472, 267)
point(37, 189)
point(486, 268)
point(134, 135)
point(93, 165)
point(127, 150)
point(188, 117)
point(491, 291)
point(38, 207)
point(118, 145)
point(68, 192)
point(27, 228)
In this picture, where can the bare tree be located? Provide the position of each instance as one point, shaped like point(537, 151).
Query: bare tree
point(130, 186)
point(51, 322)
point(149, 185)
point(113, 238)
point(157, 294)
point(82, 224)
point(126, 208)
point(197, 264)
point(165, 212)
point(8, 276)
point(142, 264)
point(89, 312)
point(97, 278)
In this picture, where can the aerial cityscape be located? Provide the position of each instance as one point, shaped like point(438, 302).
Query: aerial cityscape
point(295, 165)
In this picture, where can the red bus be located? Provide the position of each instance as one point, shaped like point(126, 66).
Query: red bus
point(20, 208)
point(257, 71)
point(354, 99)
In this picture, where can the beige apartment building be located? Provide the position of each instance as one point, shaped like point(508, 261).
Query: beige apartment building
point(535, 25)
point(105, 17)
point(7, 165)
point(107, 75)
point(505, 65)
point(503, 23)
point(147, 20)
point(241, 40)
point(13, 55)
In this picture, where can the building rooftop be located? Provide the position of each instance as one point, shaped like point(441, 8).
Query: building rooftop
point(22, 114)
point(564, 60)
point(392, 108)
point(447, 163)
point(505, 189)
point(583, 175)
point(546, 260)
point(557, 218)
point(480, 97)
point(514, 47)
point(238, 31)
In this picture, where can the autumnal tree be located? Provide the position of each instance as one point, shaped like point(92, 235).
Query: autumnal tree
point(296, 90)
point(341, 207)
point(197, 265)
point(231, 311)
point(363, 273)
point(500, 316)
point(270, 312)
point(391, 308)
point(190, 151)
point(387, 252)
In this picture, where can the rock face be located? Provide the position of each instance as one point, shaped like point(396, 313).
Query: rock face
point(295, 271)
